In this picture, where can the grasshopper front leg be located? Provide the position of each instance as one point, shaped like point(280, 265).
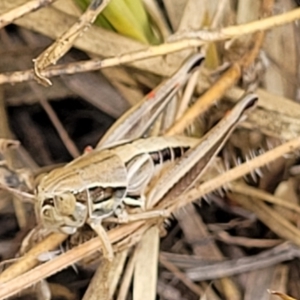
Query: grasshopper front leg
point(96, 225)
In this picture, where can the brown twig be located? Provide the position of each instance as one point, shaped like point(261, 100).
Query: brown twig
point(270, 257)
point(64, 136)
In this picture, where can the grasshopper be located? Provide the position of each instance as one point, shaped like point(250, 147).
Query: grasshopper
point(94, 186)
point(97, 185)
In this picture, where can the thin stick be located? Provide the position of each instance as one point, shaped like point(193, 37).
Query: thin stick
point(127, 277)
point(181, 276)
point(243, 29)
point(63, 134)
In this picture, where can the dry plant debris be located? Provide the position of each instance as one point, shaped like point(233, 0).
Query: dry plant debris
point(232, 235)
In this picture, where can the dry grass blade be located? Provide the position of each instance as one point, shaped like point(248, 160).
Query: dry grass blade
point(106, 278)
point(127, 277)
point(208, 99)
point(99, 286)
point(275, 116)
point(53, 53)
point(218, 89)
point(275, 124)
point(21, 10)
point(279, 278)
point(268, 101)
point(257, 193)
point(235, 31)
point(116, 271)
point(145, 273)
point(246, 242)
point(195, 230)
point(261, 279)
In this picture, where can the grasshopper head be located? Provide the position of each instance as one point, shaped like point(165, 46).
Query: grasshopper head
point(60, 212)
